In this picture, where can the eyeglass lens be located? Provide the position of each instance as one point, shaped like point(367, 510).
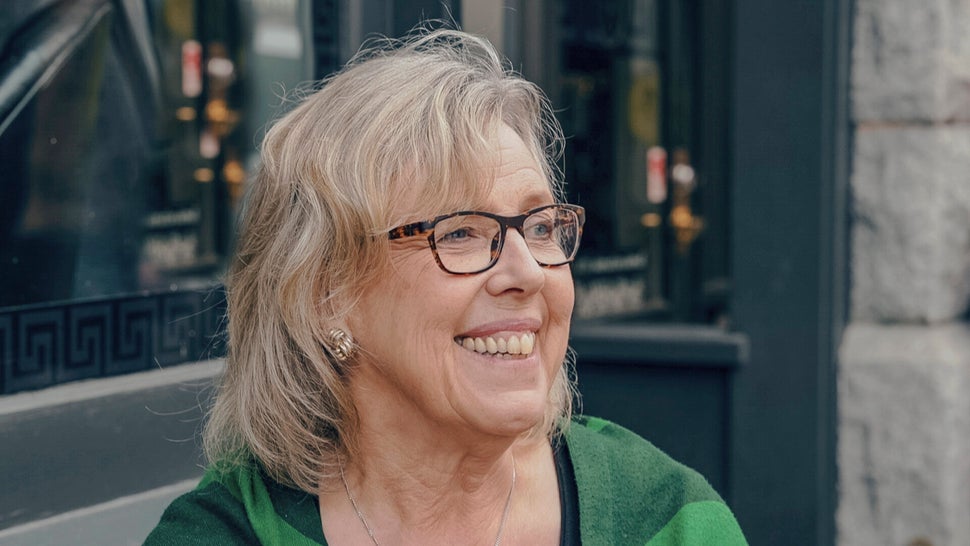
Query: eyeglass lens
point(470, 243)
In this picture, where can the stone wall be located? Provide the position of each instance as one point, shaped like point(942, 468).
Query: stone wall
point(904, 364)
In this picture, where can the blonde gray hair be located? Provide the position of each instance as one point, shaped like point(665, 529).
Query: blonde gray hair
point(412, 117)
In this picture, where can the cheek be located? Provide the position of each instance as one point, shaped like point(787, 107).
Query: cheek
point(560, 298)
point(561, 295)
point(379, 315)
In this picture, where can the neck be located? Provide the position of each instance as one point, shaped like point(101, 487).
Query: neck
point(439, 479)
point(397, 438)
point(370, 530)
point(429, 479)
point(432, 507)
point(419, 506)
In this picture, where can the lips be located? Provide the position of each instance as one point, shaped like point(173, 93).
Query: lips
point(504, 344)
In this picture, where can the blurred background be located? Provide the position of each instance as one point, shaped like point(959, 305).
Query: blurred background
point(774, 285)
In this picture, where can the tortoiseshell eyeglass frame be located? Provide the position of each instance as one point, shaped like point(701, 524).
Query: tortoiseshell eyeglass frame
point(506, 222)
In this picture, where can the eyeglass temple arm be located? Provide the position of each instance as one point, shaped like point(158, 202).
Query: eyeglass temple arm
point(410, 230)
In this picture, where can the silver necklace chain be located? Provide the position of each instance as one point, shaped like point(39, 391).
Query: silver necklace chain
point(370, 532)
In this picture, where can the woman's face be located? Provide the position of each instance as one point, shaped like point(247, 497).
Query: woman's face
point(417, 326)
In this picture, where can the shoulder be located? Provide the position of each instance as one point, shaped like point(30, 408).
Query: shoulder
point(607, 448)
point(240, 505)
point(210, 514)
point(628, 488)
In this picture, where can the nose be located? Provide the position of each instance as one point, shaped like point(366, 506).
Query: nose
point(516, 270)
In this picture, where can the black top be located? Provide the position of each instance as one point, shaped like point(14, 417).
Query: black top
point(568, 495)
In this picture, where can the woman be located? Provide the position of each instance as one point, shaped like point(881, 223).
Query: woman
point(398, 324)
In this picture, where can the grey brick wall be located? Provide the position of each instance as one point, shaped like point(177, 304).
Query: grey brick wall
point(904, 364)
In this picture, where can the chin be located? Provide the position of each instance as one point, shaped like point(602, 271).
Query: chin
point(516, 420)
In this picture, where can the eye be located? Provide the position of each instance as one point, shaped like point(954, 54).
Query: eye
point(542, 229)
point(465, 232)
point(457, 234)
point(466, 235)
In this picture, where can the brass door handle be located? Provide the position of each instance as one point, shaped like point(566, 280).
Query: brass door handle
point(687, 226)
point(221, 118)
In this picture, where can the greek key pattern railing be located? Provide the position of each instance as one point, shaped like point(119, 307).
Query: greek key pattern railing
point(47, 344)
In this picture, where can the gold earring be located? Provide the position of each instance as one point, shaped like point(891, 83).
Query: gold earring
point(341, 344)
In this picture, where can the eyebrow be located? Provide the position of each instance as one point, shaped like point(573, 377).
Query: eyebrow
point(535, 199)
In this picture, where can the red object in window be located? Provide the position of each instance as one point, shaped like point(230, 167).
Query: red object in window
point(191, 68)
point(656, 175)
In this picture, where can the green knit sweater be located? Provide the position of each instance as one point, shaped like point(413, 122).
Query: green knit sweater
point(629, 493)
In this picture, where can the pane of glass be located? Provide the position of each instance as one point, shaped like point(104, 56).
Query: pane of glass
point(78, 166)
point(124, 170)
point(546, 234)
point(464, 242)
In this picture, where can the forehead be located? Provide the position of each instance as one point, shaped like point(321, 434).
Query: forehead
point(506, 170)
point(519, 179)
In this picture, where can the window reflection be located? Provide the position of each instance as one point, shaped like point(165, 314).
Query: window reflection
point(76, 159)
point(123, 156)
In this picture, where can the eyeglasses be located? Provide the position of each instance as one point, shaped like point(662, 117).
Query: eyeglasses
point(469, 242)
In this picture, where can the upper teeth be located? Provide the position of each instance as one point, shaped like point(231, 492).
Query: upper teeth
point(513, 345)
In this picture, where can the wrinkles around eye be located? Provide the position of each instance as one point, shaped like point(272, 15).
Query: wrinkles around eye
point(409, 256)
point(403, 249)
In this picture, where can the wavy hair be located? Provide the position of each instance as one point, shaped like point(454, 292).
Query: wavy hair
point(413, 116)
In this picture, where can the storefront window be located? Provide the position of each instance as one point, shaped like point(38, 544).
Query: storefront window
point(641, 158)
point(126, 155)
point(126, 137)
point(78, 159)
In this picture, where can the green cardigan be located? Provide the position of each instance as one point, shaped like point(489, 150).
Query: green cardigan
point(629, 493)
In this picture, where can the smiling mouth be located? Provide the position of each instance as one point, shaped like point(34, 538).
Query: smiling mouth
point(514, 345)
